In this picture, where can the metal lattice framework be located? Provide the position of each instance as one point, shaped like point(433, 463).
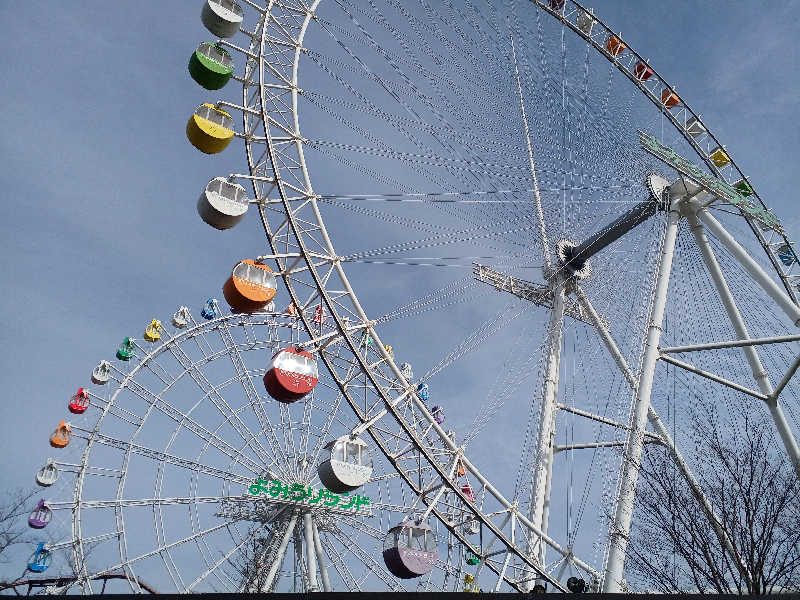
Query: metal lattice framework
point(365, 391)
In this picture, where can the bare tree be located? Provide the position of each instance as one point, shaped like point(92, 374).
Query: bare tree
point(15, 507)
point(755, 495)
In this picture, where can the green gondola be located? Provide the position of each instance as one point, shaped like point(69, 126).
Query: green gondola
point(125, 350)
point(211, 66)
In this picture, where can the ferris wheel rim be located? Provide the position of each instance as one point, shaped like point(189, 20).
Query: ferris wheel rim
point(123, 379)
point(783, 274)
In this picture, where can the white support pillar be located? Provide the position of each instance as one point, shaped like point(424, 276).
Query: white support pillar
point(323, 570)
point(739, 326)
point(276, 564)
point(758, 274)
point(662, 431)
point(620, 529)
point(311, 553)
point(544, 451)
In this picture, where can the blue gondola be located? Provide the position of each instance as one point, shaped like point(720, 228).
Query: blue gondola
point(40, 559)
point(211, 309)
point(787, 255)
point(422, 392)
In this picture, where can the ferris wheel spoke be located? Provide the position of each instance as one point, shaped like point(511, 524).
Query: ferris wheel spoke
point(185, 421)
point(231, 416)
point(245, 378)
point(156, 455)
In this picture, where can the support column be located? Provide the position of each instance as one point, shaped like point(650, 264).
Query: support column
point(326, 583)
point(620, 529)
point(662, 431)
point(759, 373)
point(311, 554)
point(540, 500)
point(278, 561)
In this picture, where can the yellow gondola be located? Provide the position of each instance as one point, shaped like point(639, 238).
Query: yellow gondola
point(210, 129)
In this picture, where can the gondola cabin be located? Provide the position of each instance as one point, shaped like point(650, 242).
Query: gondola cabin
point(422, 392)
point(210, 309)
point(407, 371)
point(223, 203)
point(694, 127)
point(40, 559)
point(319, 315)
point(40, 516)
point(101, 373)
point(557, 4)
point(473, 527)
point(585, 21)
point(125, 350)
point(79, 402)
point(786, 255)
point(48, 474)
point(291, 310)
point(409, 550)
point(152, 333)
point(438, 414)
point(669, 98)
point(347, 465)
point(210, 129)
point(467, 490)
point(471, 559)
point(291, 375)
point(744, 188)
point(61, 436)
point(642, 71)
point(615, 46)
point(719, 157)
point(211, 66)
point(180, 320)
point(250, 287)
point(222, 17)
point(389, 350)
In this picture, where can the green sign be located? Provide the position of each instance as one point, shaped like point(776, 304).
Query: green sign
point(719, 188)
point(297, 492)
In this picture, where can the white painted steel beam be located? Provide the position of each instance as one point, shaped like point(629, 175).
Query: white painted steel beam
point(739, 326)
point(620, 529)
point(664, 435)
point(543, 466)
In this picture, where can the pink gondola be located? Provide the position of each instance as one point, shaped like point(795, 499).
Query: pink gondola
point(79, 401)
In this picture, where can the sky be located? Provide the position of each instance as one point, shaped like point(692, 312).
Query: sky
point(99, 230)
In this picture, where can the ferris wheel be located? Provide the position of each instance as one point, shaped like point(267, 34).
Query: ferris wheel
point(525, 211)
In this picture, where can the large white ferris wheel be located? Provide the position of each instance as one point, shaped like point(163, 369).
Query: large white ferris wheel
point(503, 195)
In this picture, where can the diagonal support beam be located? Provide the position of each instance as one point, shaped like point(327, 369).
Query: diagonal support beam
point(666, 439)
point(772, 289)
point(715, 378)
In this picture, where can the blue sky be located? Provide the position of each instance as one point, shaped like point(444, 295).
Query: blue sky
point(99, 230)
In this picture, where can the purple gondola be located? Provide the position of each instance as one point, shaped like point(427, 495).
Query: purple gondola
point(41, 516)
point(409, 550)
point(438, 414)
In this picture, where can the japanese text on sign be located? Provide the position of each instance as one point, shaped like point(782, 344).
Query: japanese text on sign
point(297, 492)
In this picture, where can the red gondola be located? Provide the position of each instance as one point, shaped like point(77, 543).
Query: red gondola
point(79, 402)
point(291, 375)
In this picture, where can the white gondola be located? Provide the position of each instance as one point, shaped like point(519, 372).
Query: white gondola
point(48, 474)
point(585, 21)
point(406, 370)
point(223, 203)
point(222, 17)
point(181, 318)
point(101, 373)
point(348, 465)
